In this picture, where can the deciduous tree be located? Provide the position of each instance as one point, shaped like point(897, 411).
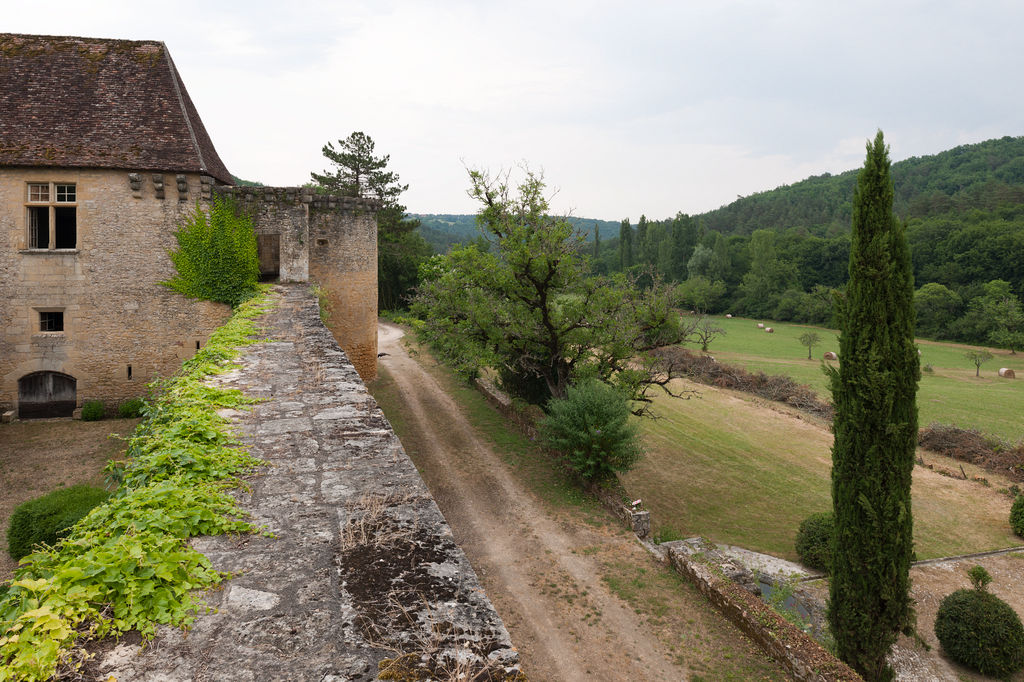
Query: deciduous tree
point(529, 306)
point(810, 339)
point(978, 358)
point(874, 391)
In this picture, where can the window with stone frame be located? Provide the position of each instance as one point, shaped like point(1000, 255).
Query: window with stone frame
point(52, 215)
point(51, 320)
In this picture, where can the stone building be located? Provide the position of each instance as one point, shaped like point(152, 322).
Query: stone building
point(102, 154)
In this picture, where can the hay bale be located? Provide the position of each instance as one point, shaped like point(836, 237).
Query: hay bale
point(760, 325)
point(1007, 373)
point(829, 355)
point(769, 330)
point(728, 316)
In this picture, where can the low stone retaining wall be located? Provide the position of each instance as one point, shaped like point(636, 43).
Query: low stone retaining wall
point(526, 423)
point(360, 577)
point(805, 659)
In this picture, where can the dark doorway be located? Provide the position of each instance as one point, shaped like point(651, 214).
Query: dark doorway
point(269, 248)
point(46, 394)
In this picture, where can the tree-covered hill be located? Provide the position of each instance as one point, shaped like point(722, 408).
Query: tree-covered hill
point(442, 230)
point(781, 254)
point(981, 176)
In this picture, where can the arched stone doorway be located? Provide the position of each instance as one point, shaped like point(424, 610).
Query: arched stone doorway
point(46, 394)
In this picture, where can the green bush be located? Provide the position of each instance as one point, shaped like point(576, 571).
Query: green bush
point(216, 258)
point(591, 429)
point(981, 631)
point(46, 519)
point(131, 409)
point(814, 541)
point(1017, 516)
point(93, 411)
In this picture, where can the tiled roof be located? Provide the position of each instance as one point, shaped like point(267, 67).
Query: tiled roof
point(98, 103)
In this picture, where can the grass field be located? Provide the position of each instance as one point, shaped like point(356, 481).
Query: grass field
point(745, 471)
point(951, 394)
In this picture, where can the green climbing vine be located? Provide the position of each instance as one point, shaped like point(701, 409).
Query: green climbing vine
point(216, 257)
point(127, 565)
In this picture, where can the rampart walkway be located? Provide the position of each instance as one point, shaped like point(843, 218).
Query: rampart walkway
point(361, 567)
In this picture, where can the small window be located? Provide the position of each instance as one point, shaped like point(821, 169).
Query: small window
point(54, 225)
point(38, 191)
point(65, 194)
point(51, 321)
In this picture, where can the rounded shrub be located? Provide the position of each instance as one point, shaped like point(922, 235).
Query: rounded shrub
point(590, 427)
point(46, 519)
point(1017, 516)
point(93, 411)
point(814, 541)
point(131, 409)
point(981, 631)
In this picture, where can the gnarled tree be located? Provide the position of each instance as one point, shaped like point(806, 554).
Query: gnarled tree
point(529, 307)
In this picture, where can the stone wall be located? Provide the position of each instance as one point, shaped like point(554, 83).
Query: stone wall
point(343, 259)
point(331, 241)
point(805, 659)
point(282, 211)
point(116, 315)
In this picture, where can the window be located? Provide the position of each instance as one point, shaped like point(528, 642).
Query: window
point(51, 321)
point(52, 216)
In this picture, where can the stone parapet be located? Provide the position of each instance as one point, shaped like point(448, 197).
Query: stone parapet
point(361, 577)
point(299, 195)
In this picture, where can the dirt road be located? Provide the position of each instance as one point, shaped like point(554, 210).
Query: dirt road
point(542, 569)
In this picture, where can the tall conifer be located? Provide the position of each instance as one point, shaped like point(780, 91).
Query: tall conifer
point(625, 245)
point(875, 428)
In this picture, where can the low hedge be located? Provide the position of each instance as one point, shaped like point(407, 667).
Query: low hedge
point(46, 519)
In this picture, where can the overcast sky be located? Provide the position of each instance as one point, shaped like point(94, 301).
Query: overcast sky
point(653, 108)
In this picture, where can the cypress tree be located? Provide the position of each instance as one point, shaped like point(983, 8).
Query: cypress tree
point(875, 429)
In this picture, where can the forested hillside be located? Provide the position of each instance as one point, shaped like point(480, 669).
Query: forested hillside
point(443, 230)
point(782, 254)
point(977, 176)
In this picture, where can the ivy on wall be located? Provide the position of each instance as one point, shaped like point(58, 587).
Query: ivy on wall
point(216, 258)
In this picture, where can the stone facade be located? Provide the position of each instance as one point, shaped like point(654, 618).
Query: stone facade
point(115, 314)
point(99, 162)
point(330, 241)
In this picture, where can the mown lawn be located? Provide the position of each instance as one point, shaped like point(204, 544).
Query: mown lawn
point(744, 471)
point(950, 394)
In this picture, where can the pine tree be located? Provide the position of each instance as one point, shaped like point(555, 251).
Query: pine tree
point(597, 242)
point(875, 429)
point(625, 245)
point(400, 247)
